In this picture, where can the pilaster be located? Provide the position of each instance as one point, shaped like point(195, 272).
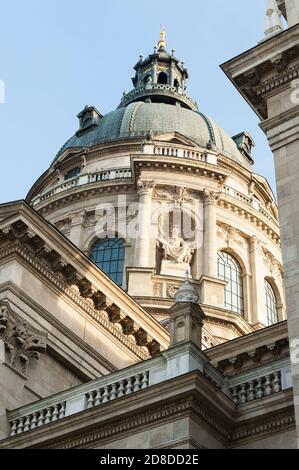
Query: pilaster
point(143, 235)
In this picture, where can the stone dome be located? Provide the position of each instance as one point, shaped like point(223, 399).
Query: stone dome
point(138, 118)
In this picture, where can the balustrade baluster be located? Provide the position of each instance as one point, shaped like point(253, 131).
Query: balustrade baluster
point(90, 400)
point(259, 393)
point(136, 383)
point(62, 410)
point(41, 418)
point(106, 394)
point(113, 393)
point(242, 394)
point(27, 423)
point(144, 380)
point(250, 392)
point(34, 421)
point(129, 388)
point(267, 386)
point(55, 413)
point(235, 396)
point(20, 426)
point(276, 382)
point(98, 397)
point(48, 415)
point(121, 389)
point(14, 427)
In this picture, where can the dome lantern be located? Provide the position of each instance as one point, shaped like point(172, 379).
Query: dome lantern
point(160, 78)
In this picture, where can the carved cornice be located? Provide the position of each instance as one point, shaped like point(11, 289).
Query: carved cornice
point(181, 165)
point(252, 216)
point(80, 193)
point(18, 239)
point(265, 69)
point(264, 426)
point(260, 356)
point(23, 343)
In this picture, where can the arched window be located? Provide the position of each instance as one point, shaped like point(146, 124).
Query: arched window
point(271, 304)
point(162, 78)
point(230, 271)
point(109, 255)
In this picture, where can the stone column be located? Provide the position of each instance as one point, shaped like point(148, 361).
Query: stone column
point(258, 314)
point(143, 236)
point(210, 234)
point(76, 228)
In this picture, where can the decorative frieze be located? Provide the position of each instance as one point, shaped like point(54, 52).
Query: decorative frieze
point(23, 343)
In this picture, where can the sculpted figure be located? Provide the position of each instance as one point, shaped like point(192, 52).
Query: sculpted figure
point(175, 248)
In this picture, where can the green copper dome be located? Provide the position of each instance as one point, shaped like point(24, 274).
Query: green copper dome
point(158, 104)
point(138, 118)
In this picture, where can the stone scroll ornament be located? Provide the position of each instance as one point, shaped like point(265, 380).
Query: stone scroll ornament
point(175, 248)
point(22, 342)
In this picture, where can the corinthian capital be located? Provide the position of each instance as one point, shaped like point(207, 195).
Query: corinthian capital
point(210, 197)
point(145, 187)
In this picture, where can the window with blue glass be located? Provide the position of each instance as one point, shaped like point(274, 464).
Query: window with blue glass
point(72, 173)
point(109, 255)
point(271, 304)
point(229, 270)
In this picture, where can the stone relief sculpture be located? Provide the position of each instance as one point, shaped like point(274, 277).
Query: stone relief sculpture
point(176, 248)
point(22, 341)
point(176, 253)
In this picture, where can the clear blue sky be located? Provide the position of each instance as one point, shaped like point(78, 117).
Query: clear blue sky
point(58, 55)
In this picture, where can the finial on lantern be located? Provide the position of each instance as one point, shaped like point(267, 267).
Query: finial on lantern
point(162, 43)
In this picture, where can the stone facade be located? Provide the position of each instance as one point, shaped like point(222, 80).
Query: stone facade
point(172, 344)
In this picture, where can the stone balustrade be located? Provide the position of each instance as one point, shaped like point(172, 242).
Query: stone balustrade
point(158, 88)
point(37, 419)
point(241, 388)
point(250, 201)
point(181, 153)
point(257, 388)
point(108, 175)
point(256, 384)
point(81, 398)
